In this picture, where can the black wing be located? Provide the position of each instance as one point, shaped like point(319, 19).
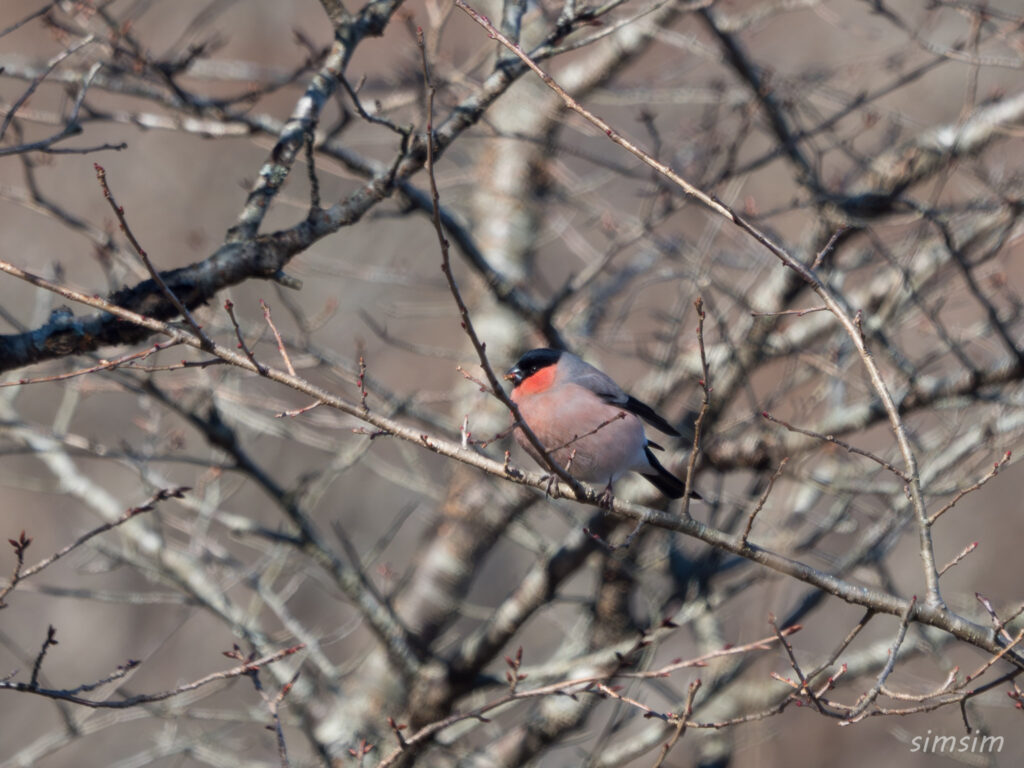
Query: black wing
point(665, 481)
point(644, 411)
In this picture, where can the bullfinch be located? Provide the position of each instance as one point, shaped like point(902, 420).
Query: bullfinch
point(586, 422)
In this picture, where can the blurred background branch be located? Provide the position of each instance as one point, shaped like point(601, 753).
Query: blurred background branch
point(450, 616)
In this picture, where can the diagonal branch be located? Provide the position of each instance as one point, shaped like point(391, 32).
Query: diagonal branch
point(932, 614)
point(834, 301)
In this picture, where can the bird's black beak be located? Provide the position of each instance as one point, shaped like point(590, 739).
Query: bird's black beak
point(514, 375)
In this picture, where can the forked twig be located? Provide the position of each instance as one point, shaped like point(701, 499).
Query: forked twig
point(22, 544)
point(467, 322)
point(149, 698)
point(197, 329)
point(859, 710)
point(681, 722)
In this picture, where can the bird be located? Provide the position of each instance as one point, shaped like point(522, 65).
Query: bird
point(586, 422)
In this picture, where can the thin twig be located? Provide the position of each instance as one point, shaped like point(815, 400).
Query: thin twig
point(1013, 643)
point(856, 630)
point(37, 665)
point(997, 623)
point(33, 15)
point(101, 174)
point(828, 247)
point(146, 506)
point(273, 704)
point(467, 323)
point(149, 698)
point(804, 681)
point(50, 66)
point(277, 335)
point(866, 700)
point(576, 438)
point(682, 719)
point(353, 93)
point(836, 441)
point(570, 688)
point(606, 691)
point(963, 553)
point(991, 473)
point(705, 385)
point(20, 545)
point(796, 312)
point(761, 501)
point(102, 365)
point(229, 307)
point(298, 411)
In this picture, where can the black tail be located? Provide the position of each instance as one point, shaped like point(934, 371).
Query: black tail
point(665, 481)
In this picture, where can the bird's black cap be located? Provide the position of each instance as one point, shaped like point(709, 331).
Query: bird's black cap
point(531, 362)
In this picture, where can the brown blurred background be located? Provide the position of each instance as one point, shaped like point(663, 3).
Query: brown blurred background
point(868, 92)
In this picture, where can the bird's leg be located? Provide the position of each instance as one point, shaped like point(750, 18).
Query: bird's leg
point(606, 498)
point(552, 479)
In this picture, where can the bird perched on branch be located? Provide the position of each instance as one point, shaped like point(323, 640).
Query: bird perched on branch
point(586, 422)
